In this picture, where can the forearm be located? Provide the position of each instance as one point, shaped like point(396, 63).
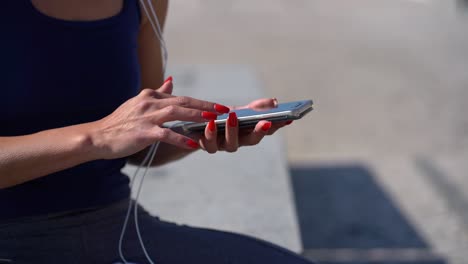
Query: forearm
point(24, 158)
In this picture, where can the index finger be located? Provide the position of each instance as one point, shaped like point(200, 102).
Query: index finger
point(189, 102)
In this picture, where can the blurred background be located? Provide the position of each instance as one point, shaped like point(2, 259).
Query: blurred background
point(377, 173)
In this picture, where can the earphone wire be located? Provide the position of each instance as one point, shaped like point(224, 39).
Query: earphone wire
point(148, 160)
point(137, 226)
point(131, 202)
point(157, 29)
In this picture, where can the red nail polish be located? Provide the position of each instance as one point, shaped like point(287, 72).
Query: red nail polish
point(266, 126)
point(221, 109)
point(168, 79)
point(289, 122)
point(232, 120)
point(211, 126)
point(192, 144)
point(209, 115)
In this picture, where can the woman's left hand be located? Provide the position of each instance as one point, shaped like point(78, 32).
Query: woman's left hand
point(233, 138)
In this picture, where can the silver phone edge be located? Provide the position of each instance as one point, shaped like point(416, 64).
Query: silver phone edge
point(288, 113)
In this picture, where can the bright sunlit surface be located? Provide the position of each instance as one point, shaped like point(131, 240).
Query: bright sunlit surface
point(378, 171)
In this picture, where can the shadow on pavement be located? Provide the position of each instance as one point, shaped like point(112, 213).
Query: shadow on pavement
point(345, 217)
point(462, 4)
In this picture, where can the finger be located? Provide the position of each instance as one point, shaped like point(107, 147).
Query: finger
point(232, 133)
point(189, 102)
point(149, 93)
point(261, 104)
point(261, 130)
point(210, 142)
point(177, 113)
point(167, 86)
point(273, 130)
point(277, 125)
point(168, 136)
point(165, 91)
point(274, 127)
point(264, 103)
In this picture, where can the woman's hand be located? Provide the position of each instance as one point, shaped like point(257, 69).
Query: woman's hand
point(136, 123)
point(234, 138)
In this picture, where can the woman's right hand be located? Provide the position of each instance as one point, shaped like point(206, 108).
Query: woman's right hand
point(136, 124)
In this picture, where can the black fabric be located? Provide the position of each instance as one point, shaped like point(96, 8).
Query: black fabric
point(92, 237)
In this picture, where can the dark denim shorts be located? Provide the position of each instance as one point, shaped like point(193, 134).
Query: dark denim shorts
point(91, 236)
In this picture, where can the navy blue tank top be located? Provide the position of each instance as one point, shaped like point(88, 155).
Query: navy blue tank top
point(56, 73)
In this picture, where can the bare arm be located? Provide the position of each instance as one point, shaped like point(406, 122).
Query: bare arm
point(149, 53)
point(149, 49)
point(132, 127)
point(24, 158)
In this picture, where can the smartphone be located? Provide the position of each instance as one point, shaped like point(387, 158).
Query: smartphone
point(249, 117)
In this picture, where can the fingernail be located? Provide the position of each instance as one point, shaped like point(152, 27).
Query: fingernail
point(211, 126)
point(221, 109)
point(275, 102)
point(209, 115)
point(232, 120)
point(266, 126)
point(289, 122)
point(192, 144)
point(168, 79)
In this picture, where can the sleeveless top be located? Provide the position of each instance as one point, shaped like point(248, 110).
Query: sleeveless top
point(56, 73)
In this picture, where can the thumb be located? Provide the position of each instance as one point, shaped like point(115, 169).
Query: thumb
point(262, 104)
point(166, 87)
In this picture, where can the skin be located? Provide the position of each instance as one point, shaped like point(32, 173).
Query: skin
point(133, 126)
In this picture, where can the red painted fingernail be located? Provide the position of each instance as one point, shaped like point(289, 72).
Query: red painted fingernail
point(232, 120)
point(289, 122)
point(209, 115)
point(221, 109)
point(168, 79)
point(192, 144)
point(211, 126)
point(266, 126)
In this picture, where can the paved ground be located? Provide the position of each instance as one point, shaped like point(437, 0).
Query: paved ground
point(390, 129)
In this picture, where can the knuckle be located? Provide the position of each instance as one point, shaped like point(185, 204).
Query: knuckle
point(162, 133)
point(157, 95)
point(142, 139)
point(170, 110)
point(144, 104)
point(147, 92)
point(183, 100)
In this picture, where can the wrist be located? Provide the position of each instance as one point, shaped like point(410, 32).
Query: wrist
point(89, 142)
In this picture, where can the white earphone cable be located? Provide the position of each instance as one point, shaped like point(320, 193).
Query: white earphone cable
point(137, 226)
point(157, 29)
point(153, 149)
point(131, 202)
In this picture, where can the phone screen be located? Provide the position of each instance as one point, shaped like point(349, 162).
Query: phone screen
point(283, 107)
